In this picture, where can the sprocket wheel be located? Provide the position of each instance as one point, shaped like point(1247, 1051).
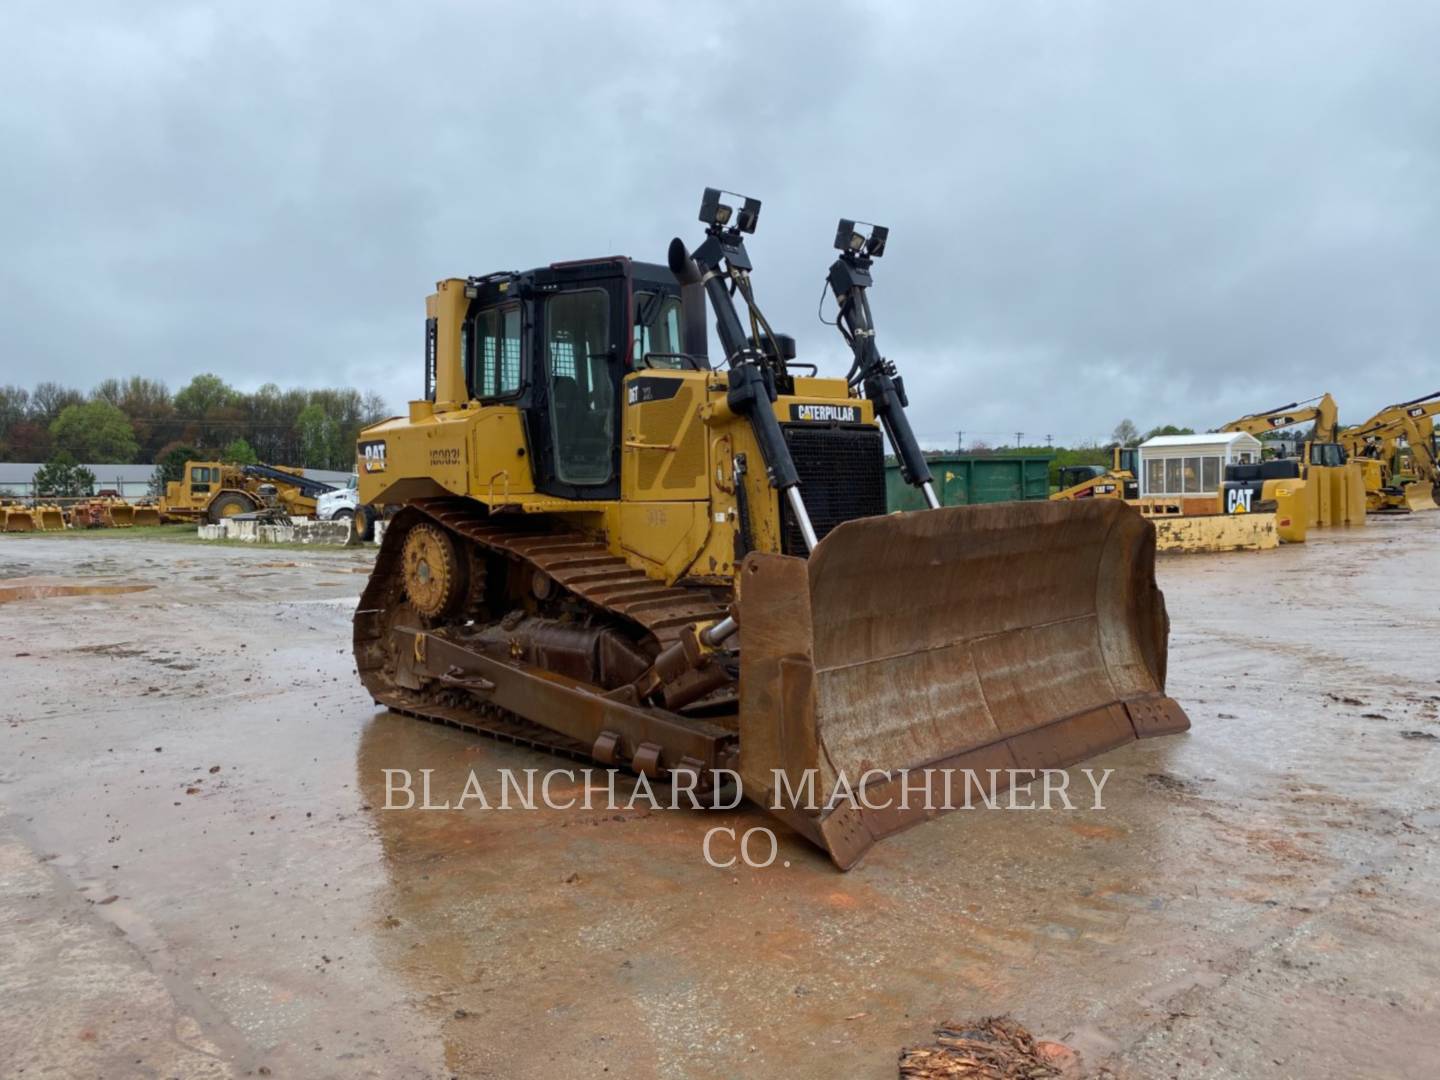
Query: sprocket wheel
point(433, 572)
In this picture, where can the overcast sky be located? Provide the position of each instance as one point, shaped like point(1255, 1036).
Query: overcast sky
point(1176, 213)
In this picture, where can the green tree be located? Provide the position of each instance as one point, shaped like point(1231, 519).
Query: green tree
point(48, 401)
point(14, 413)
point(319, 438)
point(14, 407)
point(1166, 429)
point(239, 452)
point(95, 431)
point(202, 394)
point(1126, 433)
point(147, 403)
point(62, 477)
point(208, 410)
point(170, 462)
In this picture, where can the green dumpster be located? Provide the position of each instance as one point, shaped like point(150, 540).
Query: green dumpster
point(974, 478)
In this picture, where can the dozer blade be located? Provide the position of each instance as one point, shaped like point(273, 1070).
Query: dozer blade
point(1420, 496)
point(1012, 636)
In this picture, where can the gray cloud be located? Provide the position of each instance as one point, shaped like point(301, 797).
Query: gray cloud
point(1099, 210)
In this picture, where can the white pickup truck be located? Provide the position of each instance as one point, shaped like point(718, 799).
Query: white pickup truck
point(338, 505)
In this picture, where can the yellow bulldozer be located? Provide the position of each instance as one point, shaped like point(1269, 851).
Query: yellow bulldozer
point(214, 490)
point(1375, 444)
point(605, 545)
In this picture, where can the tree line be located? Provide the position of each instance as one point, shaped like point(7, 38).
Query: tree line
point(1088, 453)
point(140, 421)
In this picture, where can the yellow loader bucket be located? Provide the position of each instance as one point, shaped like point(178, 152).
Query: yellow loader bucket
point(19, 519)
point(1420, 496)
point(1012, 636)
point(145, 515)
point(122, 514)
point(50, 517)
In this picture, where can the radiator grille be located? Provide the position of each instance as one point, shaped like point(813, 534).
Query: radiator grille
point(842, 477)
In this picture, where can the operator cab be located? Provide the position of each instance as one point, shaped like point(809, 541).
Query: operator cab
point(1329, 455)
point(557, 341)
point(1071, 475)
point(203, 480)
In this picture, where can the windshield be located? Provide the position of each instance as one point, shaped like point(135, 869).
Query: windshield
point(657, 332)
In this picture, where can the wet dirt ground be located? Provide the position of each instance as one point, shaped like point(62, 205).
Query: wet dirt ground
point(198, 878)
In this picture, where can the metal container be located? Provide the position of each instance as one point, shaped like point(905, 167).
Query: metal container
point(962, 479)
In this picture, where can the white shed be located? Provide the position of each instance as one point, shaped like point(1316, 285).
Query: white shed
point(1193, 464)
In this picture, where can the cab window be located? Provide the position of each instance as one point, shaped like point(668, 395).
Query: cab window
point(494, 351)
point(581, 385)
point(658, 342)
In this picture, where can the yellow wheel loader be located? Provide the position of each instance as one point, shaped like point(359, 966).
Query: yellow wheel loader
point(606, 546)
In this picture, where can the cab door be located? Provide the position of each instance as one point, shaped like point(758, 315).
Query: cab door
point(202, 482)
point(575, 400)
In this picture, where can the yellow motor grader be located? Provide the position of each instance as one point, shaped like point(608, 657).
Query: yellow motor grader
point(606, 545)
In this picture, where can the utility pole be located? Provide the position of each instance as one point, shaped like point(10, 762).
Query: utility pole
point(959, 442)
point(1018, 436)
point(1050, 441)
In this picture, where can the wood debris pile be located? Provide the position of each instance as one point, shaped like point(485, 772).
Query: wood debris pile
point(996, 1048)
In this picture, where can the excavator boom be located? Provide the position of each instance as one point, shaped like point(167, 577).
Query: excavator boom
point(1378, 437)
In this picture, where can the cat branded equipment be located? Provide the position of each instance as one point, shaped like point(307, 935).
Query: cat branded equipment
point(1333, 492)
point(1119, 481)
point(215, 490)
point(1375, 443)
point(605, 546)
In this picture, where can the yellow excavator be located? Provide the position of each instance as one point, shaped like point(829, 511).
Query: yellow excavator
point(1375, 444)
point(1333, 492)
point(605, 545)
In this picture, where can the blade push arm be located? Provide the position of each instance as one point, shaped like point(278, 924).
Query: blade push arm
point(849, 279)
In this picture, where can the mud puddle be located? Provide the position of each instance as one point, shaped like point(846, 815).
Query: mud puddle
point(49, 590)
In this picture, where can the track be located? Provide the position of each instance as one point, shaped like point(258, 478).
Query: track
point(581, 568)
